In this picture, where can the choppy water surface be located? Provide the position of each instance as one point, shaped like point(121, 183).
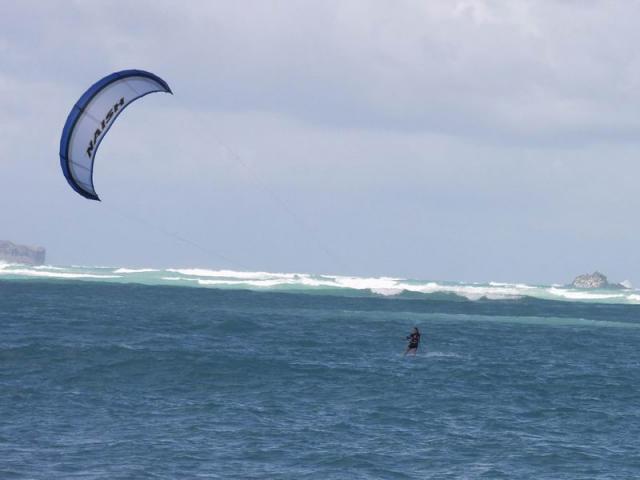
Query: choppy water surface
point(107, 380)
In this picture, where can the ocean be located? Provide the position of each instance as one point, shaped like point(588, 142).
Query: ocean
point(122, 373)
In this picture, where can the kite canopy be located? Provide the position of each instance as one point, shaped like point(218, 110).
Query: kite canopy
point(92, 117)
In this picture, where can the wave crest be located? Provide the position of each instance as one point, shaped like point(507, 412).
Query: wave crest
point(306, 282)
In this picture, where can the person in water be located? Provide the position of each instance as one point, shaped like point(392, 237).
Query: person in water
point(414, 341)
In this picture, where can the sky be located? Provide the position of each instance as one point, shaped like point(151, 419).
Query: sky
point(469, 140)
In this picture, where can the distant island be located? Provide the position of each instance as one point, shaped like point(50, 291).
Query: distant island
point(596, 280)
point(13, 253)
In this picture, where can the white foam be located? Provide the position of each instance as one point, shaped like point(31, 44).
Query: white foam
point(521, 286)
point(135, 270)
point(40, 273)
point(581, 295)
point(471, 292)
point(202, 272)
point(386, 286)
point(387, 292)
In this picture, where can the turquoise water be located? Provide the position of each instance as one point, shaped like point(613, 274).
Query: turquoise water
point(107, 380)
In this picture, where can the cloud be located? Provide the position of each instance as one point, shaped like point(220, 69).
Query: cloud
point(499, 71)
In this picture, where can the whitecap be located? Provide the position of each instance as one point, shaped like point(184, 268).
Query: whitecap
point(135, 270)
point(39, 273)
point(203, 272)
point(582, 295)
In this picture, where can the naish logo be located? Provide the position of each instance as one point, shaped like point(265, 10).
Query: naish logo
point(103, 124)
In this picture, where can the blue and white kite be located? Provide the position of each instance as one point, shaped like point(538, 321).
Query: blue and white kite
point(92, 117)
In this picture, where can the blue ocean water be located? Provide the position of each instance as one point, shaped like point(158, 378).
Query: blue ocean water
point(109, 380)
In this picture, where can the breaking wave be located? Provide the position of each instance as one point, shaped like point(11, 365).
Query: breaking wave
point(306, 282)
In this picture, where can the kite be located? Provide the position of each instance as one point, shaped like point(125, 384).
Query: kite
point(91, 118)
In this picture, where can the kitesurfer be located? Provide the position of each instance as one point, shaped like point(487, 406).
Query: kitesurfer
point(414, 341)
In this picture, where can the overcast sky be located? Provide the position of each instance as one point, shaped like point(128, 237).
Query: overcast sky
point(448, 140)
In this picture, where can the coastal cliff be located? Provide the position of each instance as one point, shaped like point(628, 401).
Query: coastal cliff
point(14, 253)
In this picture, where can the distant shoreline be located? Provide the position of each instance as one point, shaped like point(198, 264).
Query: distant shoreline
point(23, 254)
